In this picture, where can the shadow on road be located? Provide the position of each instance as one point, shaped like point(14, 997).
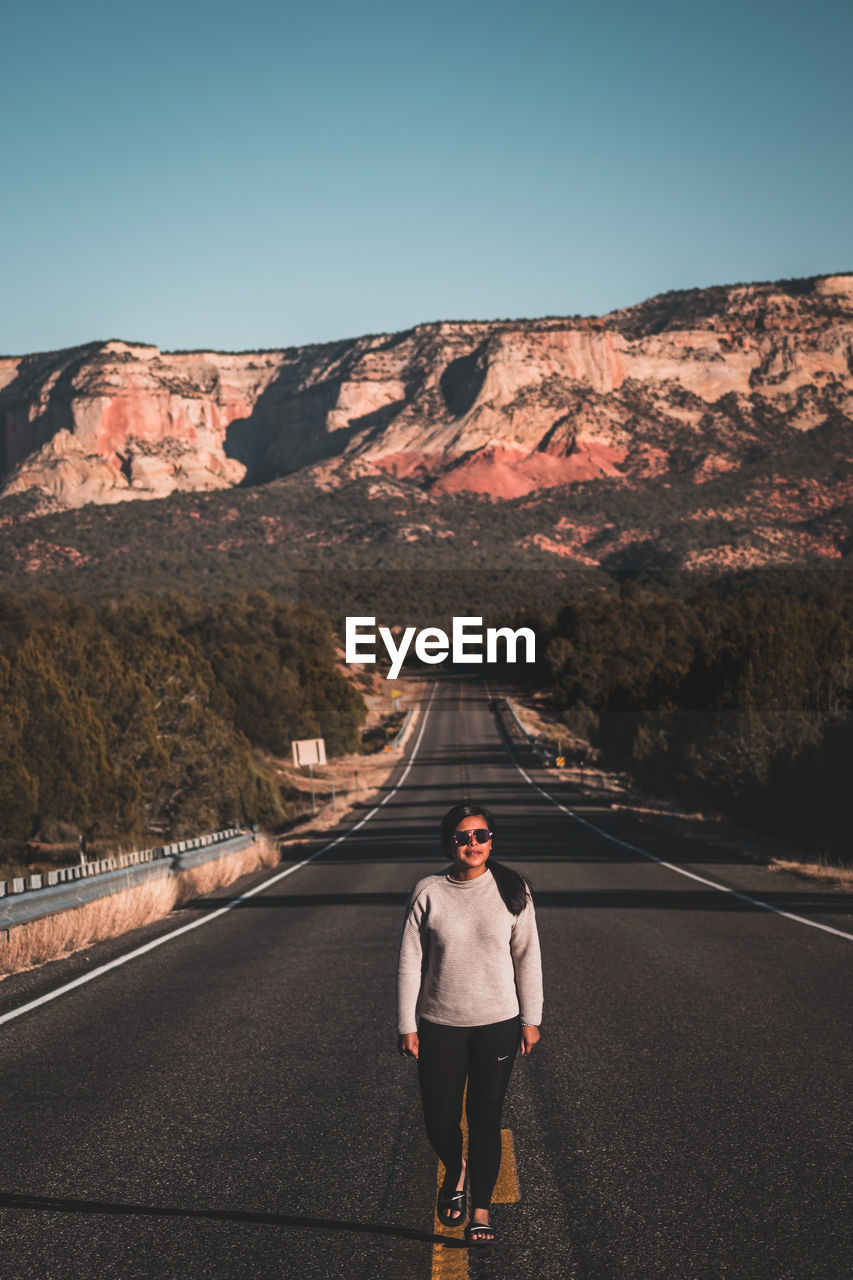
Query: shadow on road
point(575, 899)
point(696, 900)
point(62, 1204)
point(303, 900)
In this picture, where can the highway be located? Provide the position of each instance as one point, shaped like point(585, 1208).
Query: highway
point(231, 1102)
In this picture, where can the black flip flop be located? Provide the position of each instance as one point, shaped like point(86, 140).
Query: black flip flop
point(473, 1227)
point(450, 1200)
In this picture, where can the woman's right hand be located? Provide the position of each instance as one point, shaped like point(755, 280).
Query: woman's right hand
point(408, 1044)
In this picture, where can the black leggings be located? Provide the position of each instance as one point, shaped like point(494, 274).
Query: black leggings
point(485, 1056)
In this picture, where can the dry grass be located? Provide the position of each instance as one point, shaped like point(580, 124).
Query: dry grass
point(816, 871)
point(550, 732)
point(197, 881)
point(53, 937)
point(547, 727)
point(372, 771)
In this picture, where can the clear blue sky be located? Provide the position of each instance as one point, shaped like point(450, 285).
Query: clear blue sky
point(265, 173)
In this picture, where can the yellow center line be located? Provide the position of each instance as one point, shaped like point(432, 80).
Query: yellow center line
point(507, 1190)
point(463, 748)
point(452, 1264)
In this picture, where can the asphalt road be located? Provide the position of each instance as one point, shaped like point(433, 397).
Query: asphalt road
point(231, 1103)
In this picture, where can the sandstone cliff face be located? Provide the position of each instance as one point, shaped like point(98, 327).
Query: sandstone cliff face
point(688, 381)
point(113, 421)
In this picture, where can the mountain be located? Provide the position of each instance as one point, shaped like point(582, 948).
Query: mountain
point(713, 425)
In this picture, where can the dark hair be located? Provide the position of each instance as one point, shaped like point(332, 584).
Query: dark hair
point(512, 886)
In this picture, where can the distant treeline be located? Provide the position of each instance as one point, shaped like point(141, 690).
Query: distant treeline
point(151, 716)
point(140, 717)
point(740, 701)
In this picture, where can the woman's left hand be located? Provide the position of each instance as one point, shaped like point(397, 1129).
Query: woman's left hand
point(529, 1037)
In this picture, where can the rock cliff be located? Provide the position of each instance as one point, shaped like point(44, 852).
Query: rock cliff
point(690, 381)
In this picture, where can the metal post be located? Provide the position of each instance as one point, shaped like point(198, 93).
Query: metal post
point(313, 797)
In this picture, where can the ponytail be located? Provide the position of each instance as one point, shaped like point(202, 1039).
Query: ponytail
point(512, 886)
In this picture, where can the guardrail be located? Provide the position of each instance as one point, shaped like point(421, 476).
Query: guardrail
point(547, 757)
point(399, 736)
point(29, 898)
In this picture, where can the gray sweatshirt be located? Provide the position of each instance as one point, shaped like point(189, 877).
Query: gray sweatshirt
point(465, 960)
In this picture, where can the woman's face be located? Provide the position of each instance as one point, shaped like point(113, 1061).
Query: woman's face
point(472, 856)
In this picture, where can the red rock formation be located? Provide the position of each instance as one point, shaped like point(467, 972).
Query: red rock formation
point(688, 380)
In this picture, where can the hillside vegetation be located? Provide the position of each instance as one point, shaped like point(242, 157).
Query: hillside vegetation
point(146, 718)
point(740, 701)
point(152, 718)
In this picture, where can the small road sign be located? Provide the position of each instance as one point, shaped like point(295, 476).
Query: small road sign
point(309, 751)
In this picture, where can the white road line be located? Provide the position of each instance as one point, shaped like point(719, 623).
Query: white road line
point(235, 902)
point(691, 875)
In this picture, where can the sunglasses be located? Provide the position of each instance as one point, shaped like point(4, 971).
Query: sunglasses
point(479, 836)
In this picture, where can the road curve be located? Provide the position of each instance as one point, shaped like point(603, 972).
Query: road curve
point(231, 1103)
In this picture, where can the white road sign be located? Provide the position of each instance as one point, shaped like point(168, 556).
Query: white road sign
point(309, 751)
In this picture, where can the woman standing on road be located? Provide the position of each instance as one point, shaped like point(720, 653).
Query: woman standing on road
point(469, 993)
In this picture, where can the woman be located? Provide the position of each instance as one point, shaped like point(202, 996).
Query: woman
point(469, 992)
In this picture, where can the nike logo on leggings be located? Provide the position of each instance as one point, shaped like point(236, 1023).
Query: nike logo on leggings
point(504, 1058)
